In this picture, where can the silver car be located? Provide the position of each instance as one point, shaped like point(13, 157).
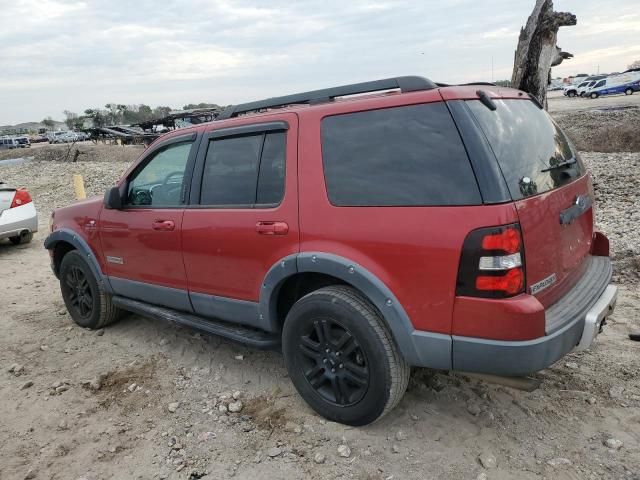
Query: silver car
point(18, 216)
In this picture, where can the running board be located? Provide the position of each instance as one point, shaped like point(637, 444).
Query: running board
point(237, 333)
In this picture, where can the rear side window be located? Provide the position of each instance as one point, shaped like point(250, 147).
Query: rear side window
point(534, 155)
point(244, 171)
point(403, 156)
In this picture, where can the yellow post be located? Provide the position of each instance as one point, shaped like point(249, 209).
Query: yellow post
point(78, 185)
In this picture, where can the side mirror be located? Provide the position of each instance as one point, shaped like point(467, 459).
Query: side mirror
point(113, 199)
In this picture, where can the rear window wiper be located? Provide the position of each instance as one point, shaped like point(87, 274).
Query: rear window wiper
point(560, 165)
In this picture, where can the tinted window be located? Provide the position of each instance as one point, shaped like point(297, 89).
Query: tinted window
point(527, 143)
point(243, 171)
point(159, 181)
point(408, 156)
point(271, 178)
point(600, 83)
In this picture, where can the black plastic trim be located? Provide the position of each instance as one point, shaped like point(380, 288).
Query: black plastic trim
point(72, 238)
point(247, 129)
point(493, 187)
point(405, 84)
point(237, 333)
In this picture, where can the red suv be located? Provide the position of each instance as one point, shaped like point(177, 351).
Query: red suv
point(363, 230)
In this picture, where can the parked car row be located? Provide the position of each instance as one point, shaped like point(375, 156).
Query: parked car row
point(594, 87)
point(67, 136)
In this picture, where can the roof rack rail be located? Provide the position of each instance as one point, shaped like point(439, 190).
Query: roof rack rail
point(488, 84)
point(405, 84)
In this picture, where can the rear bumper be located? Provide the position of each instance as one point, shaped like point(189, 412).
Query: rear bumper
point(576, 320)
point(14, 221)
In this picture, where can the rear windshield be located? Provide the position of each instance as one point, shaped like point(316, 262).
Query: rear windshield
point(403, 156)
point(534, 155)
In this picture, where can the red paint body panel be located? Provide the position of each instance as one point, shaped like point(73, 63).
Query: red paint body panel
point(517, 318)
point(224, 254)
point(148, 255)
point(78, 217)
point(553, 248)
point(415, 251)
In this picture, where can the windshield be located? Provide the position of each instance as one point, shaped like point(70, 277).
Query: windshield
point(534, 155)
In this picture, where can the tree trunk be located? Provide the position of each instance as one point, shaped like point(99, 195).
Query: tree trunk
point(537, 51)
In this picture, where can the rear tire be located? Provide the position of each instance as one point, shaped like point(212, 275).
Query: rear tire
point(24, 237)
point(341, 356)
point(628, 91)
point(571, 94)
point(86, 301)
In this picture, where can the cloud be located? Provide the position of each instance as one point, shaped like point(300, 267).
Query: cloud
point(64, 54)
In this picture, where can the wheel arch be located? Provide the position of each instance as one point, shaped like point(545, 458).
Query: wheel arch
point(62, 241)
point(418, 348)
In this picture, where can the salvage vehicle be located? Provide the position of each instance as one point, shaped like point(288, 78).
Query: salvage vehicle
point(362, 229)
point(18, 216)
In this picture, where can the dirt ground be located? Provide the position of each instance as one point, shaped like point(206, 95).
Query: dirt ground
point(144, 399)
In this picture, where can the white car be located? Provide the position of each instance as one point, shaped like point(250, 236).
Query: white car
point(18, 216)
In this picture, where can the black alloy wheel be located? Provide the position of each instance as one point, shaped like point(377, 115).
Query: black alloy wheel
point(79, 291)
point(333, 362)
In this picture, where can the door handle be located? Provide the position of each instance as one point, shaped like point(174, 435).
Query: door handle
point(272, 228)
point(163, 225)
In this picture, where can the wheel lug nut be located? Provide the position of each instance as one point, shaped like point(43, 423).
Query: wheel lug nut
point(337, 354)
point(324, 360)
point(326, 350)
point(341, 366)
point(333, 370)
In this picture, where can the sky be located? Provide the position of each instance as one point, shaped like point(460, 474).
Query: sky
point(58, 55)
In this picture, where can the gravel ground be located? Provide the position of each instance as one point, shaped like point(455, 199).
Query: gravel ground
point(145, 399)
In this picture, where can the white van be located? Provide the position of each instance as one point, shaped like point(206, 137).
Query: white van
point(8, 143)
point(627, 83)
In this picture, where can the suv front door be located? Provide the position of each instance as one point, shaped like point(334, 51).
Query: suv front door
point(141, 242)
point(243, 216)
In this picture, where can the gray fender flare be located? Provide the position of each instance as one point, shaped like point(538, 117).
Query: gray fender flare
point(419, 348)
point(71, 237)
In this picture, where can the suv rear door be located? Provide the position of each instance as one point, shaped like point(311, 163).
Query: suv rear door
point(552, 193)
point(243, 215)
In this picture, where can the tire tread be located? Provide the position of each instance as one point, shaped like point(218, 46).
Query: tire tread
point(399, 368)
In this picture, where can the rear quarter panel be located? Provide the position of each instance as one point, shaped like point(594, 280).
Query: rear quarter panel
point(414, 251)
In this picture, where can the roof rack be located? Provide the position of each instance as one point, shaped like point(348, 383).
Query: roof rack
point(405, 84)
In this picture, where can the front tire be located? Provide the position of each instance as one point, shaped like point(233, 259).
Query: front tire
point(341, 356)
point(571, 94)
point(594, 95)
point(86, 301)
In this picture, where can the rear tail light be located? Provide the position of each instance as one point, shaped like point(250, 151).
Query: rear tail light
point(21, 197)
point(492, 263)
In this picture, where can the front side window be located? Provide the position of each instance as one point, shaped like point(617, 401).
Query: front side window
point(159, 181)
point(244, 171)
point(403, 156)
point(600, 83)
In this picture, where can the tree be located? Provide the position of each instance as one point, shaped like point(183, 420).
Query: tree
point(635, 64)
point(71, 119)
point(49, 123)
point(537, 51)
point(194, 106)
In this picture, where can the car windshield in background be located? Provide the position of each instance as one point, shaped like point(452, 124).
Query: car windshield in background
point(533, 153)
